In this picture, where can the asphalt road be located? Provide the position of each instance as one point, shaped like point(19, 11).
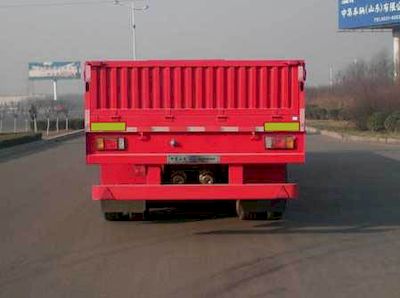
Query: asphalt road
point(341, 239)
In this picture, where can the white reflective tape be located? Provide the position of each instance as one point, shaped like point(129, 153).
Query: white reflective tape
point(88, 73)
point(295, 118)
point(160, 129)
point(230, 128)
point(87, 120)
point(260, 128)
point(131, 129)
point(196, 129)
point(302, 119)
point(302, 73)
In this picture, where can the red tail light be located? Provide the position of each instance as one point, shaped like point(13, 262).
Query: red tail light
point(110, 144)
point(280, 142)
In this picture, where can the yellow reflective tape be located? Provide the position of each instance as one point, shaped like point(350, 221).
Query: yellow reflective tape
point(107, 126)
point(281, 126)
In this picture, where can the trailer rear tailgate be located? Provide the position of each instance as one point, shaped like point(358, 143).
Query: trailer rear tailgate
point(194, 96)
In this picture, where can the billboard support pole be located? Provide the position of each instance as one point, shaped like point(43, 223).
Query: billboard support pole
point(55, 89)
point(396, 54)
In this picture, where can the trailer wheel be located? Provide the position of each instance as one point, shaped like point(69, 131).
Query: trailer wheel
point(124, 211)
point(261, 210)
point(113, 216)
point(276, 210)
point(244, 214)
point(139, 216)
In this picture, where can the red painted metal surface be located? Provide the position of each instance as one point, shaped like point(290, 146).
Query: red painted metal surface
point(197, 85)
point(179, 94)
point(225, 144)
point(195, 192)
point(216, 108)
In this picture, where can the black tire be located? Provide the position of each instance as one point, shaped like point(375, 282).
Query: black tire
point(277, 209)
point(243, 214)
point(114, 212)
point(274, 210)
point(113, 216)
point(274, 215)
point(139, 216)
point(119, 216)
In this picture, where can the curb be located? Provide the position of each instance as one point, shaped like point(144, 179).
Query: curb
point(65, 136)
point(17, 151)
point(25, 139)
point(312, 130)
point(347, 138)
point(39, 138)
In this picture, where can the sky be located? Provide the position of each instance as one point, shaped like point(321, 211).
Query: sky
point(177, 29)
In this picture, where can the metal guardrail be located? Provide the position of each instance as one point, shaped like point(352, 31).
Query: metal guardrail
point(14, 125)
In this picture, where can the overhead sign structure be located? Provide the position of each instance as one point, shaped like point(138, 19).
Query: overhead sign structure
point(359, 14)
point(373, 14)
point(54, 71)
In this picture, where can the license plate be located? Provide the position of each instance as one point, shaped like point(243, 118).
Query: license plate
point(193, 159)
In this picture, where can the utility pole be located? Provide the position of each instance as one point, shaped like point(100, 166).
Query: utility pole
point(396, 54)
point(133, 9)
point(133, 28)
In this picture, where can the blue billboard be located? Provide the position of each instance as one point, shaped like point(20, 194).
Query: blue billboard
point(361, 14)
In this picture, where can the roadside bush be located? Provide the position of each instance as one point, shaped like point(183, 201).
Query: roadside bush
point(333, 114)
point(366, 88)
point(76, 124)
point(310, 111)
point(344, 115)
point(376, 122)
point(322, 114)
point(392, 122)
point(316, 113)
point(360, 115)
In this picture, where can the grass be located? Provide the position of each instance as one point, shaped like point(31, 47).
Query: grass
point(347, 127)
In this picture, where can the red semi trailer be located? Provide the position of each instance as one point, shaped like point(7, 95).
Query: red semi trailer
point(168, 131)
